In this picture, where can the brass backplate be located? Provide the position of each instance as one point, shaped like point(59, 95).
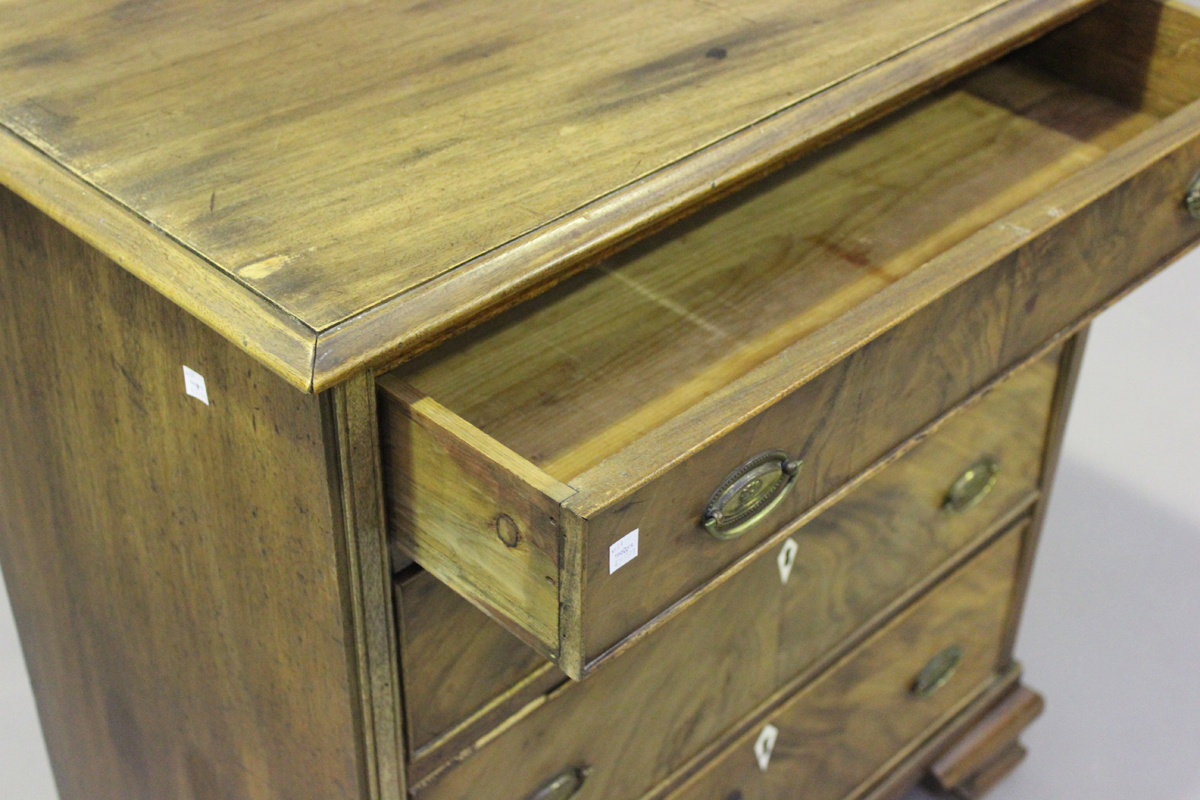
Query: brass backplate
point(749, 493)
point(938, 671)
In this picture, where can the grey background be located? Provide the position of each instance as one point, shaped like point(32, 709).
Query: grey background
point(1112, 627)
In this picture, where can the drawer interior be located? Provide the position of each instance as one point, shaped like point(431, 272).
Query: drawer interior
point(572, 377)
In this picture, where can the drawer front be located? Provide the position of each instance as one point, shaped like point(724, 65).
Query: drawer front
point(968, 477)
point(755, 634)
point(838, 424)
point(579, 560)
point(884, 698)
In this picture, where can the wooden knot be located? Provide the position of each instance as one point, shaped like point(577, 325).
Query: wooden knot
point(508, 531)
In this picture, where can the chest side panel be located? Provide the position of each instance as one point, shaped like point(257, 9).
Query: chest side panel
point(172, 561)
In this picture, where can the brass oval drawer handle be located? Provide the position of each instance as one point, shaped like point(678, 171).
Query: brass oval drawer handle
point(563, 785)
point(1192, 199)
point(750, 493)
point(938, 672)
point(972, 486)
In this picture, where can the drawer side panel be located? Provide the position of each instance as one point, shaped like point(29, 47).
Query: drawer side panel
point(174, 565)
point(1139, 52)
point(475, 515)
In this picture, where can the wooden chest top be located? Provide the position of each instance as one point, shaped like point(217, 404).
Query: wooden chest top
point(338, 184)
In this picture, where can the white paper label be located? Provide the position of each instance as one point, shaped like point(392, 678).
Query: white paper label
point(787, 559)
point(193, 384)
point(622, 551)
point(765, 746)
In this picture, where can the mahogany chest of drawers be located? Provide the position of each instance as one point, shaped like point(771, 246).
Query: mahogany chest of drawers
point(543, 401)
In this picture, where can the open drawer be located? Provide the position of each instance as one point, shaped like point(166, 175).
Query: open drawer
point(579, 465)
point(767, 628)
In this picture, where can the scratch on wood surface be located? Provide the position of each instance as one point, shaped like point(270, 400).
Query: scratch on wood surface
point(264, 267)
point(669, 304)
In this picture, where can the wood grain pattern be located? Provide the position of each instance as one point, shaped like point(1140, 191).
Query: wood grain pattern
point(173, 567)
point(1133, 174)
point(456, 661)
point(1070, 364)
point(352, 430)
point(840, 423)
point(474, 514)
point(754, 637)
point(281, 342)
point(633, 721)
point(844, 546)
point(677, 385)
point(1111, 242)
point(1139, 53)
point(849, 726)
point(571, 378)
point(987, 746)
point(410, 323)
point(907, 773)
point(1073, 198)
point(1065, 266)
point(1101, 207)
point(413, 156)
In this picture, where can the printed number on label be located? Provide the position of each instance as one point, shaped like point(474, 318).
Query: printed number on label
point(622, 551)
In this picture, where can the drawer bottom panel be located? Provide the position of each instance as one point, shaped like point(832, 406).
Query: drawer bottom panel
point(847, 728)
